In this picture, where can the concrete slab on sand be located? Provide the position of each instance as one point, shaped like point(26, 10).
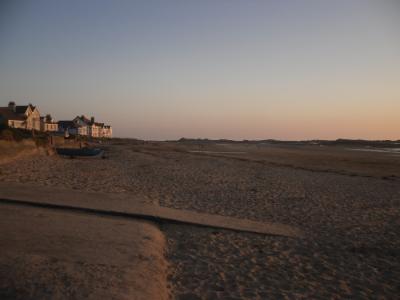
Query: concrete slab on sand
point(51, 254)
point(128, 205)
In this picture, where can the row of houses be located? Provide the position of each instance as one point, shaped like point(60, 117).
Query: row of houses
point(28, 117)
point(84, 126)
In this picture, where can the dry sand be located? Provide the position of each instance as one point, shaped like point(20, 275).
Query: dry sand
point(347, 202)
point(78, 256)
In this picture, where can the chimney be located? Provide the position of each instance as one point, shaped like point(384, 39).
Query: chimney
point(92, 120)
point(11, 106)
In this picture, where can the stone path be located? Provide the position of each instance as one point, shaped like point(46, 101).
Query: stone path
point(126, 205)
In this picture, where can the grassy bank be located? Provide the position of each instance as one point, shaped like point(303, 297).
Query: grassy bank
point(17, 143)
point(19, 135)
point(10, 150)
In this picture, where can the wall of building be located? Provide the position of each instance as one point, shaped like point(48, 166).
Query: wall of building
point(16, 124)
point(83, 130)
point(33, 119)
point(52, 127)
point(107, 132)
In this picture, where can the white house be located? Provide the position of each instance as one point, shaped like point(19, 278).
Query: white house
point(48, 124)
point(107, 131)
point(81, 125)
point(23, 117)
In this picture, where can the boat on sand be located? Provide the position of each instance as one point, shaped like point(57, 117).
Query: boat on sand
point(79, 152)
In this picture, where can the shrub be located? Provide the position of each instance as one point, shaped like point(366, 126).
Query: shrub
point(3, 126)
point(6, 134)
point(18, 135)
point(41, 141)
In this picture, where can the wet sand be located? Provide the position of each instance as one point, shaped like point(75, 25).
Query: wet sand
point(347, 202)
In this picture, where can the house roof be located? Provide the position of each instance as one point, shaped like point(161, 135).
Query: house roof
point(17, 114)
point(8, 114)
point(48, 119)
point(66, 124)
point(84, 119)
point(49, 122)
point(21, 109)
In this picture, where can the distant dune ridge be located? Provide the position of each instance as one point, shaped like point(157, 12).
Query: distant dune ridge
point(337, 142)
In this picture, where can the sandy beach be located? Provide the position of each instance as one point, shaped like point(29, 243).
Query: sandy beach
point(78, 256)
point(347, 202)
point(200, 150)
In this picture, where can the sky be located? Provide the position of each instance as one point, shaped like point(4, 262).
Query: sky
point(232, 69)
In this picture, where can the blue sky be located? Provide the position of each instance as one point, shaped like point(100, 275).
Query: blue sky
point(217, 69)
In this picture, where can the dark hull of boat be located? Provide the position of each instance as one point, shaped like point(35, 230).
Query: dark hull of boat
point(79, 152)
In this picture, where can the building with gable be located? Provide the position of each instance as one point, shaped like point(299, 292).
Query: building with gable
point(20, 116)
